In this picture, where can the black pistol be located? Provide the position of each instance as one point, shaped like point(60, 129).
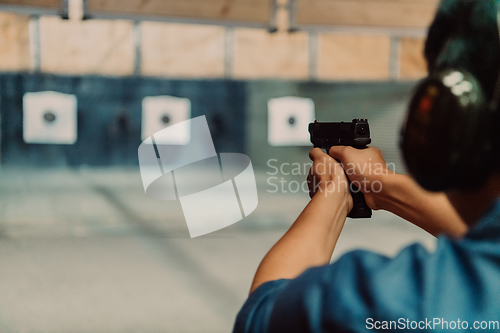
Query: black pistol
point(355, 134)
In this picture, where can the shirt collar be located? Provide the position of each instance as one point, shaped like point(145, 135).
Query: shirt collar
point(488, 226)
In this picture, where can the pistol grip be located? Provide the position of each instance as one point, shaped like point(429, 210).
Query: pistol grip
point(360, 209)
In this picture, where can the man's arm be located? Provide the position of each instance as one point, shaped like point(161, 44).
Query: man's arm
point(399, 194)
point(430, 211)
point(312, 237)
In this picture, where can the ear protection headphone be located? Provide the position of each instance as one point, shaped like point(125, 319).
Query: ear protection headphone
point(448, 139)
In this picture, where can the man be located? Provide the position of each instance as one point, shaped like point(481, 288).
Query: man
point(457, 287)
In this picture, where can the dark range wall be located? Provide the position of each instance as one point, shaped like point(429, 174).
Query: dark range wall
point(382, 103)
point(109, 116)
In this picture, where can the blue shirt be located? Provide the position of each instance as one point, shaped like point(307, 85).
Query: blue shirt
point(457, 285)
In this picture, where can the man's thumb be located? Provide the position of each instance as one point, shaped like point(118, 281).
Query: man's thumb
point(316, 153)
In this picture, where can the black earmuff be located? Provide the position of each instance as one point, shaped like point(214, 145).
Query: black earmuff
point(449, 139)
point(446, 138)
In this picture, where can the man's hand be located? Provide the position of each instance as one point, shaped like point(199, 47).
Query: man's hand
point(398, 194)
point(366, 169)
point(327, 176)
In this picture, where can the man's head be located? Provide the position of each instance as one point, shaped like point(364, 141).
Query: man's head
point(450, 128)
point(449, 139)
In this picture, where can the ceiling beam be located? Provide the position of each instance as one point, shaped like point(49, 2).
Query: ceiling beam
point(32, 7)
point(234, 12)
point(378, 14)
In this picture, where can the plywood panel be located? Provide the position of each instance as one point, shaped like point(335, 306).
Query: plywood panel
point(14, 42)
point(86, 47)
point(226, 10)
point(181, 50)
point(259, 54)
point(367, 13)
point(413, 64)
point(353, 57)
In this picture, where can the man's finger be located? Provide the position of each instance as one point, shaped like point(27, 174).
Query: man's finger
point(316, 153)
point(337, 152)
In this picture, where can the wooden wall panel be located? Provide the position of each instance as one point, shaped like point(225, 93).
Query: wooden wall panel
point(259, 54)
point(368, 13)
point(14, 42)
point(86, 47)
point(181, 50)
point(353, 57)
point(42, 4)
point(258, 11)
point(413, 64)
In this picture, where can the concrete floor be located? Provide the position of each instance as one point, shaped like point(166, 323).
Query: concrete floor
point(87, 251)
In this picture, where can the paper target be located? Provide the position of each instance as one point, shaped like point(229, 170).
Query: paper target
point(49, 117)
point(288, 121)
point(159, 112)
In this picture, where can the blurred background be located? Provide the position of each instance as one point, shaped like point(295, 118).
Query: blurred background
point(82, 249)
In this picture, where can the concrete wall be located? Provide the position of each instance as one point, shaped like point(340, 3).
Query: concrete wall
point(120, 48)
